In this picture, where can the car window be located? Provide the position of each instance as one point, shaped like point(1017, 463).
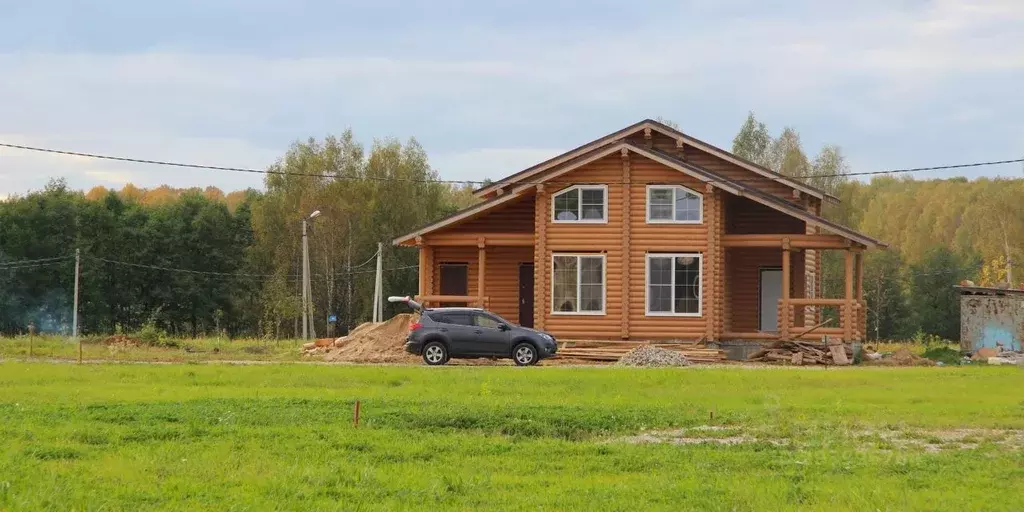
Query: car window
point(458, 318)
point(486, 321)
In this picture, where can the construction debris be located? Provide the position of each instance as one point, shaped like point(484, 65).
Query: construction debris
point(611, 351)
point(381, 342)
point(805, 353)
point(650, 356)
point(984, 353)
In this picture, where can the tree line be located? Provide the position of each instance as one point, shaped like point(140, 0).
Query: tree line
point(248, 243)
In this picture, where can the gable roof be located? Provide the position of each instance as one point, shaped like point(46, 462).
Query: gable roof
point(668, 160)
point(665, 130)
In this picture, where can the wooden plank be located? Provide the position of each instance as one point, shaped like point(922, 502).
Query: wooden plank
point(838, 354)
point(798, 358)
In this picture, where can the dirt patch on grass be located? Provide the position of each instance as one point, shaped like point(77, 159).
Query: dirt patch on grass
point(937, 440)
point(704, 434)
point(928, 440)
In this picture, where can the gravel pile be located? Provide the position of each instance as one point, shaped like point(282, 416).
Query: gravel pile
point(647, 356)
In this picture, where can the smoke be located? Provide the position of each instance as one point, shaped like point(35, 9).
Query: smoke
point(50, 313)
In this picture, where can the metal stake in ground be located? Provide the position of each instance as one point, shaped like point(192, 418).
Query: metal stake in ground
point(355, 415)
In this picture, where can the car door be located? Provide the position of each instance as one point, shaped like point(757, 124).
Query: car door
point(491, 340)
point(459, 328)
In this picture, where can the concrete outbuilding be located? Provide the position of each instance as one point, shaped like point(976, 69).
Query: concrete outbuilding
point(991, 317)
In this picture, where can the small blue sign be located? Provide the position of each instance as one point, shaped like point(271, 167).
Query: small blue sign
point(332, 318)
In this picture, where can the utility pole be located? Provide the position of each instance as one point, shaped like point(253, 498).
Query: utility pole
point(378, 306)
point(348, 276)
point(305, 282)
point(380, 280)
point(307, 291)
point(74, 314)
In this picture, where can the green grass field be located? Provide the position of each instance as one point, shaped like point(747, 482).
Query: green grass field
point(280, 437)
point(176, 350)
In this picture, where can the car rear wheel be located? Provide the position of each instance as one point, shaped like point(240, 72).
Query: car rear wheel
point(435, 353)
point(524, 354)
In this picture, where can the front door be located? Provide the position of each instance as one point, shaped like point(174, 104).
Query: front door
point(769, 293)
point(454, 281)
point(526, 294)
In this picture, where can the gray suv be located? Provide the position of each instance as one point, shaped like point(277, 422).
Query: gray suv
point(444, 333)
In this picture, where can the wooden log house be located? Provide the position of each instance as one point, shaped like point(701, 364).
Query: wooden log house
point(646, 234)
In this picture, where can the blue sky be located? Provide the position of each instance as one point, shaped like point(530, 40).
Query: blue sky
point(491, 88)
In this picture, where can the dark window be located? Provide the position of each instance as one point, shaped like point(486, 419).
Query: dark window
point(458, 318)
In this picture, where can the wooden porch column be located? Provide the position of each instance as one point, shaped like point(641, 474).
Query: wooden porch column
point(786, 278)
point(481, 270)
point(711, 265)
point(423, 268)
point(848, 303)
point(540, 259)
point(626, 201)
point(862, 310)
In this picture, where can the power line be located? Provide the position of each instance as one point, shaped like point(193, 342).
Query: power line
point(38, 260)
point(31, 265)
point(467, 182)
point(173, 269)
point(234, 274)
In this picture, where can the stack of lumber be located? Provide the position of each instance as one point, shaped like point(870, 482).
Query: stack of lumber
point(597, 350)
point(805, 353)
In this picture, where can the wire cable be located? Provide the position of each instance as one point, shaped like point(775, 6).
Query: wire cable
point(467, 182)
point(39, 260)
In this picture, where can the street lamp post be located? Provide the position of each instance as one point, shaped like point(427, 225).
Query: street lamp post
point(307, 292)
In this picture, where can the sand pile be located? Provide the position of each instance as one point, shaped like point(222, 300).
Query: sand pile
point(903, 357)
point(382, 342)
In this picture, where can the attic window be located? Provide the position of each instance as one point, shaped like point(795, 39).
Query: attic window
point(674, 204)
point(581, 203)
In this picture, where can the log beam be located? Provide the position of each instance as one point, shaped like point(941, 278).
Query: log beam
point(481, 273)
point(796, 241)
point(848, 302)
point(786, 278)
point(424, 267)
point(626, 201)
point(540, 259)
point(711, 265)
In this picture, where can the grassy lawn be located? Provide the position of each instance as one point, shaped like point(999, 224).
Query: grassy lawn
point(188, 437)
point(173, 350)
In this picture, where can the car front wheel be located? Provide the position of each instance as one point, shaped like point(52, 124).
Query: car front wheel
point(524, 354)
point(435, 353)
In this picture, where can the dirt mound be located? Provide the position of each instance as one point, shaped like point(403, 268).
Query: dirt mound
point(121, 339)
point(382, 342)
point(904, 357)
point(649, 356)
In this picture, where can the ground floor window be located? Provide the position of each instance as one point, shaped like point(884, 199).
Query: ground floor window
point(577, 283)
point(673, 284)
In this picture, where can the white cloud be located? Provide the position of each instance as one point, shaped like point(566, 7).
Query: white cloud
point(481, 164)
point(509, 95)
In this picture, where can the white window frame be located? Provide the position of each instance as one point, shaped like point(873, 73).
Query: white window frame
point(579, 294)
point(579, 211)
point(675, 191)
point(647, 283)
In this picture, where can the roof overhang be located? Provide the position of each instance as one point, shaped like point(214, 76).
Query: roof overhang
point(664, 130)
point(459, 216)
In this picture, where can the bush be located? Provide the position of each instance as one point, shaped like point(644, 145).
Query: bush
point(154, 336)
point(943, 354)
